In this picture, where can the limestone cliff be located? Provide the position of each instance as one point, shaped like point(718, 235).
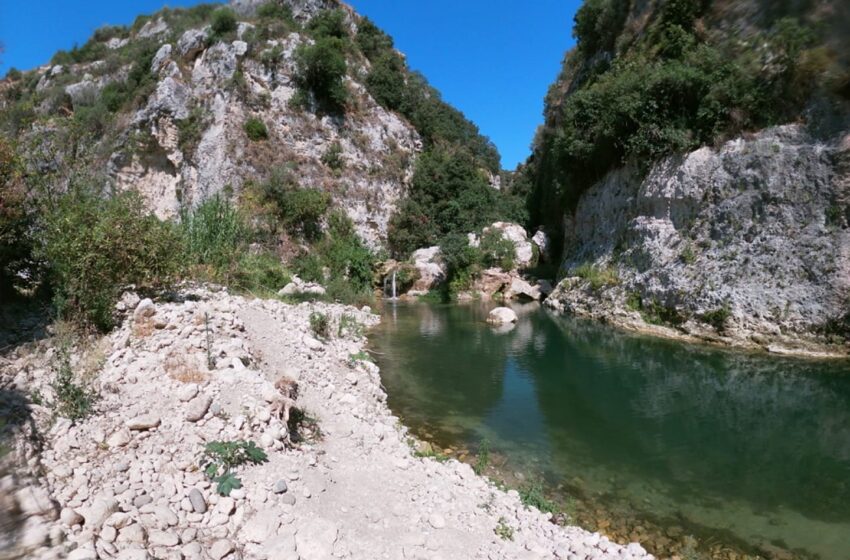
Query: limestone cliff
point(748, 243)
point(182, 137)
point(693, 169)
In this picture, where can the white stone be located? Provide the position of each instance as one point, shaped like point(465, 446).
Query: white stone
point(501, 316)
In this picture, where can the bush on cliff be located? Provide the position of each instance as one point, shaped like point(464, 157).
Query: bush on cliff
point(321, 70)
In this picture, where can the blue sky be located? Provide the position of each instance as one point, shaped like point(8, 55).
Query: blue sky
point(492, 59)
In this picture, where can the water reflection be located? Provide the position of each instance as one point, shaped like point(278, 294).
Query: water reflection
point(755, 444)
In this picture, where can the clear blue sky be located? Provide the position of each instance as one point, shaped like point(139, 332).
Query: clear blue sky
point(493, 59)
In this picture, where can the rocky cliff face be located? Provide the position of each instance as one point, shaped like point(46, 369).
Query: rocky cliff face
point(187, 141)
point(747, 243)
point(681, 198)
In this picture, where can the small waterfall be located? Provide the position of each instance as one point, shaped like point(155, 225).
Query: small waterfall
point(395, 296)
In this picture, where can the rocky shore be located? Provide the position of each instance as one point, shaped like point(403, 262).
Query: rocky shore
point(341, 479)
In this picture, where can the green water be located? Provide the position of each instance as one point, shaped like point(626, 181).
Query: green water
point(750, 446)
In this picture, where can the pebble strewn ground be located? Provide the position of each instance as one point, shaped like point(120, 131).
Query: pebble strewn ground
point(125, 482)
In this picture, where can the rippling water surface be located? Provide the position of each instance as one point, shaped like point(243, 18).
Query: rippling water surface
point(752, 446)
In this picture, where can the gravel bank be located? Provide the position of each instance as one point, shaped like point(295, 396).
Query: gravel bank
point(125, 483)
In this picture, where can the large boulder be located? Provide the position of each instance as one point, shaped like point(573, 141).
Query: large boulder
point(502, 316)
point(430, 269)
point(517, 235)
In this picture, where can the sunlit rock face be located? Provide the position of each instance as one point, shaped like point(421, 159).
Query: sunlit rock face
point(755, 227)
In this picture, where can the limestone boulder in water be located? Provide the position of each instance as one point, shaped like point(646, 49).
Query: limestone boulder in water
point(502, 316)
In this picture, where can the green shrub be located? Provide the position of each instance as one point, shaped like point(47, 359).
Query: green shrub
point(215, 236)
point(299, 210)
point(320, 324)
point(386, 81)
point(96, 245)
point(321, 70)
point(262, 274)
point(256, 129)
point(275, 10)
point(74, 400)
point(497, 250)
point(223, 22)
point(448, 194)
point(598, 23)
point(462, 261)
point(328, 23)
point(371, 40)
point(345, 256)
point(16, 220)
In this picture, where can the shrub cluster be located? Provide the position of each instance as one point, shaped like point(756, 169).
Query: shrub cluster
point(16, 219)
point(342, 254)
point(256, 129)
point(95, 245)
point(321, 69)
point(449, 194)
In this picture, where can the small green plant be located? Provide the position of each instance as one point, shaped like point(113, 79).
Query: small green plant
point(208, 341)
point(656, 313)
point(532, 494)
point(598, 276)
point(320, 324)
point(688, 256)
point(333, 157)
point(430, 453)
point(505, 531)
point(634, 301)
point(354, 359)
point(348, 324)
point(256, 129)
point(221, 457)
point(73, 400)
point(482, 461)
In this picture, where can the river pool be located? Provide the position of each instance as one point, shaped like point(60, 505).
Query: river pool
point(646, 437)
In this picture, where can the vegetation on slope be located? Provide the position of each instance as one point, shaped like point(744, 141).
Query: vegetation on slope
point(645, 82)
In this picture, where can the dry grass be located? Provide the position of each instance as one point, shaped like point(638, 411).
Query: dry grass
point(183, 366)
point(143, 327)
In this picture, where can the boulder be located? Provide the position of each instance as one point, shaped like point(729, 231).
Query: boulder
point(502, 316)
point(146, 308)
point(543, 244)
point(430, 269)
point(191, 43)
point(517, 235)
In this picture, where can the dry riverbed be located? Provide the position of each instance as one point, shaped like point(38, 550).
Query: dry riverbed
point(126, 482)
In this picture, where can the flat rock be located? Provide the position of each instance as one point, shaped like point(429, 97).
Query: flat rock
point(198, 408)
point(144, 422)
point(220, 549)
point(315, 539)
